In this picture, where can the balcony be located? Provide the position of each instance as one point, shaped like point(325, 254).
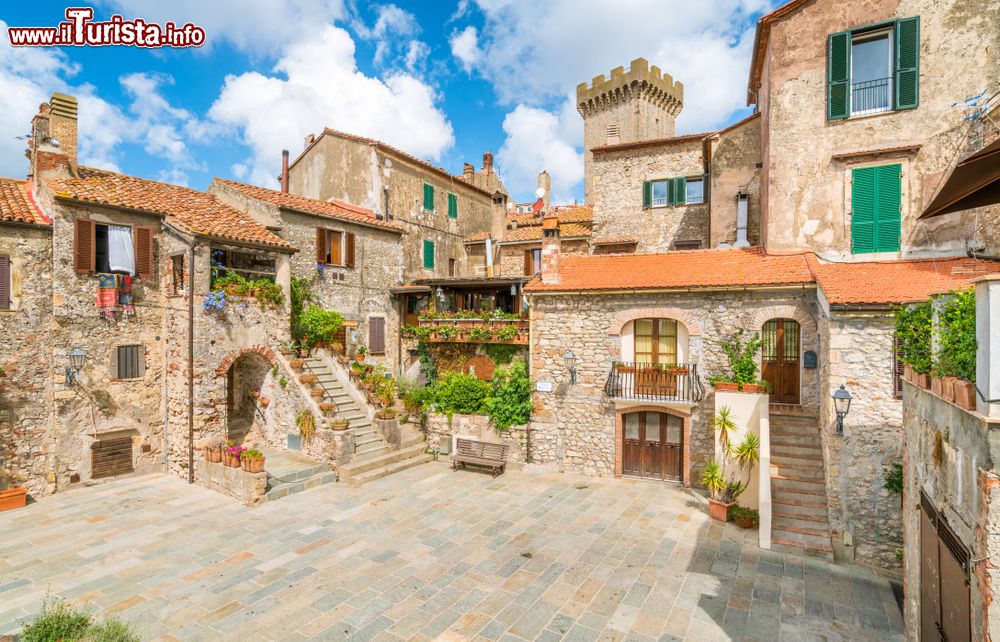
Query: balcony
point(470, 330)
point(676, 382)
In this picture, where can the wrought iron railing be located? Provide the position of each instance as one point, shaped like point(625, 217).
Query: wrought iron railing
point(871, 96)
point(655, 382)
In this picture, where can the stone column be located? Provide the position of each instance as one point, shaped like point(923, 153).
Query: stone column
point(988, 343)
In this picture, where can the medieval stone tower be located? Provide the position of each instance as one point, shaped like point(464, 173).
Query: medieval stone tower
point(639, 104)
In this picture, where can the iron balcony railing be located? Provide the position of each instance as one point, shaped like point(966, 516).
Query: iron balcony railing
point(871, 96)
point(678, 382)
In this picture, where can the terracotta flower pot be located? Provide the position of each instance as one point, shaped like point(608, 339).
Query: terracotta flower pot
point(937, 386)
point(316, 393)
point(948, 388)
point(908, 372)
point(13, 498)
point(215, 455)
point(719, 510)
point(744, 521)
point(264, 402)
point(229, 460)
point(754, 388)
point(253, 465)
point(359, 358)
point(340, 424)
point(727, 387)
point(965, 394)
point(208, 454)
point(922, 380)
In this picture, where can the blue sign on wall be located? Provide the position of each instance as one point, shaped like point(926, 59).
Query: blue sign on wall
point(809, 359)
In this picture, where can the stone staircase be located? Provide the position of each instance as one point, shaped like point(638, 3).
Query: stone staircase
point(289, 473)
point(367, 441)
point(800, 520)
point(411, 453)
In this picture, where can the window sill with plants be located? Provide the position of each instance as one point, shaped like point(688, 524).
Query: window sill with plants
point(468, 326)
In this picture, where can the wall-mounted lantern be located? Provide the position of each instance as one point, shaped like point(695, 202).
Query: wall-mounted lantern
point(77, 357)
point(570, 360)
point(842, 404)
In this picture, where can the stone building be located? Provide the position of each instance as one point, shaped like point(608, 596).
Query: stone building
point(435, 209)
point(349, 258)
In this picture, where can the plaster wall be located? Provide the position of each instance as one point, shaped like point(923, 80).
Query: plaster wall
point(734, 170)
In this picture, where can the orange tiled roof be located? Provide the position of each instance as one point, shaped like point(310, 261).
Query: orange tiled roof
point(478, 236)
point(895, 282)
point(651, 142)
point(684, 269)
point(17, 205)
point(567, 214)
point(196, 211)
point(332, 208)
point(534, 232)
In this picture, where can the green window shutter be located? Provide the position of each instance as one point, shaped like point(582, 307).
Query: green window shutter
point(888, 198)
point(838, 75)
point(679, 190)
point(429, 255)
point(863, 210)
point(452, 206)
point(647, 194)
point(907, 77)
point(428, 197)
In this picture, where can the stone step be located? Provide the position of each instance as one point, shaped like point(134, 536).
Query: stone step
point(286, 489)
point(385, 471)
point(371, 463)
point(794, 547)
point(796, 439)
point(810, 485)
point(820, 540)
point(796, 450)
point(366, 438)
point(802, 472)
point(797, 460)
point(811, 506)
point(777, 416)
point(373, 449)
point(809, 524)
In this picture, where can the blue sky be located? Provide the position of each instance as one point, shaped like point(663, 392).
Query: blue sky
point(443, 80)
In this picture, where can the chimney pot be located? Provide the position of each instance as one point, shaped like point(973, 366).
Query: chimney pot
point(488, 162)
point(468, 170)
point(284, 171)
point(551, 250)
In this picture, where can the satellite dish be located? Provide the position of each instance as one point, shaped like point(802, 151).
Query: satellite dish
point(540, 192)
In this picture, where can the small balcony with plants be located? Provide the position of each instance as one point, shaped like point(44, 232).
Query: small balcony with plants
point(469, 326)
point(664, 382)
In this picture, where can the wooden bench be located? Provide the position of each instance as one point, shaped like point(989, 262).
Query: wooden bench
point(480, 453)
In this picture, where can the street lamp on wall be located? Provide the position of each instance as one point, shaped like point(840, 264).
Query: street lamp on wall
point(77, 357)
point(842, 404)
point(570, 360)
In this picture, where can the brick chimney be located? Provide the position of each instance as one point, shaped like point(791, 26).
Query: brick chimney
point(284, 171)
point(551, 249)
point(545, 182)
point(498, 216)
point(54, 137)
point(487, 163)
point(468, 170)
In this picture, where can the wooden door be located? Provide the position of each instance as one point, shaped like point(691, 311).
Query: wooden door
point(652, 445)
point(930, 591)
point(780, 359)
point(945, 607)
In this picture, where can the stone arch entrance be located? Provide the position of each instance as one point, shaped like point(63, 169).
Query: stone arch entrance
point(244, 379)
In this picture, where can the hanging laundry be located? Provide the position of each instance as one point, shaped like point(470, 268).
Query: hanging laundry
point(121, 249)
point(107, 296)
point(125, 295)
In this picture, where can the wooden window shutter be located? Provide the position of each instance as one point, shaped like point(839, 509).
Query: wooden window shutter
point(647, 194)
point(677, 188)
point(907, 72)
point(143, 250)
point(428, 197)
point(452, 206)
point(838, 76)
point(529, 263)
point(888, 199)
point(863, 210)
point(4, 282)
point(429, 255)
point(376, 335)
point(320, 245)
point(336, 247)
point(116, 356)
point(897, 370)
point(83, 246)
point(349, 252)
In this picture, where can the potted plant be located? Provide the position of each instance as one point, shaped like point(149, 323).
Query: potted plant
point(360, 354)
point(965, 394)
point(726, 480)
point(213, 450)
point(328, 407)
point(343, 359)
point(386, 413)
point(231, 456)
point(337, 348)
point(340, 423)
point(253, 461)
point(317, 393)
point(255, 393)
point(297, 364)
point(744, 517)
point(264, 402)
point(308, 379)
point(11, 495)
point(287, 348)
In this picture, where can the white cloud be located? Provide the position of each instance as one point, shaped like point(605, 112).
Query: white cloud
point(393, 34)
point(317, 84)
point(162, 128)
point(465, 47)
point(537, 140)
point(258, 27)
point(417, 53)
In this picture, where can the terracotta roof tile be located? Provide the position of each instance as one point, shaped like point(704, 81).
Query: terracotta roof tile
point(332, 208)
point(895, 282)
point(17, 205)
point(621, 240)
point(196, 211)
point(567, 214)
point(689, 269)
point(478, 236)
point(651, 142)
point(534, 232)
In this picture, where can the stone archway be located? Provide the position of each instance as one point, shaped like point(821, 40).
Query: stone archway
point(245, 376)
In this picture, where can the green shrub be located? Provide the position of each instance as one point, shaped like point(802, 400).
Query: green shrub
point(265, 290)
point(913, 336)
point(957, 336)
point(458, 392)
point(509, 403)
point(500, 353)
point(893, 477)
point(481, 333)
point(58, 621)
point(742, 356)
point(507, 332)
point(319, 325)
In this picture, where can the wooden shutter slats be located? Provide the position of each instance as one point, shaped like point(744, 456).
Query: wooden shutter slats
point(863, 210)
point(5, 286)
point(376, 335)
point(887, 213)
point(83, 246)
point(428, 255)
point(349, 252)
point(907, 68)
point(143, 239)
point(320, 245)
point(647, 194)
point(838, 101)
point(336, 247)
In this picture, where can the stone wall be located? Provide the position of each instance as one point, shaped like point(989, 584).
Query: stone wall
point(357, 172)
point(735, 154)
point(950, 455)
point(573, 426)
point(617, 196)
point(248, 488)
point(860, 358)
point(479, 427)
point(26, 358)
point(512, 256)
point(808, 190)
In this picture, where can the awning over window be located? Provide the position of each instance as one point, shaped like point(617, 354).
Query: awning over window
point(974, 182)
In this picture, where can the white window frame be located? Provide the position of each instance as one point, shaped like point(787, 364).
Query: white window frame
point(872, 35)
point(658, 202)
point(687, 197)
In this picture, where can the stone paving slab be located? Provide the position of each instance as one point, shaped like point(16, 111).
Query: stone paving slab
point(428, 554)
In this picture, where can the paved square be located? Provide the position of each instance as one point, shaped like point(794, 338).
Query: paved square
point(428, 554)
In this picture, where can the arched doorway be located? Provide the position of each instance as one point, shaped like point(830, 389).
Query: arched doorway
point(653, 445)
point(780, 365)
point(244, 380)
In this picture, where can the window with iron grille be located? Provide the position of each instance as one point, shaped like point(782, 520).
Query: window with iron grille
point(128, 362)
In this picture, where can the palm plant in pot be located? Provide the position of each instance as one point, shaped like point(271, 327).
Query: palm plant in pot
point(726, 480)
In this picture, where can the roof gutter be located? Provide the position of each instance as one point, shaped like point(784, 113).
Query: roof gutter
point(682, 290)
point(295, 210)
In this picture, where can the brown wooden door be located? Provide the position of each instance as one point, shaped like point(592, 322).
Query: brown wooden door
point(930, 590)
point(945, 606)
point(780, 359)
point(652, 445)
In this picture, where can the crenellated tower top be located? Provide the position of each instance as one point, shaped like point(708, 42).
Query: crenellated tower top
point(640, 81)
